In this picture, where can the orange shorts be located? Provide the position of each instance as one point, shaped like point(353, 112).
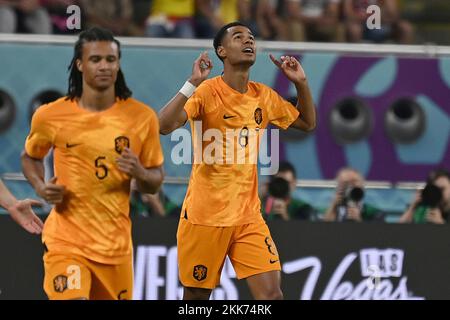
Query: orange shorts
point(202, 251)
point(75, 277)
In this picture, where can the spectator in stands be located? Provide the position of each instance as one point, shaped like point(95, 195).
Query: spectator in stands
point(115, 16)
point(57, 10)
point(431, 205)
point(26, 16)
point(211, 15)
point(279, 203)
point(141, 9)
point(314, 20)
point(271, 25)
point(20, 210)
point(392, 27)
point(152, 205)
point(171, 19)
point(348, 203)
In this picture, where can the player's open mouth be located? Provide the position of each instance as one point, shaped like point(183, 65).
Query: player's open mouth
point(248, 50)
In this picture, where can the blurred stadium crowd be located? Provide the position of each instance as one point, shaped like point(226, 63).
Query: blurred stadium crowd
point(411, 21)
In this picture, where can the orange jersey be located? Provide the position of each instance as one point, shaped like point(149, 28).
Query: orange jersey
point(227, 194)
point(93, 220)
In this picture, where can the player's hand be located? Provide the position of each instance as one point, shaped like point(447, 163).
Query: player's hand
point(51, 192)
point(23, 214)
point(129, 163)
point(291, 68)
point(201, 69)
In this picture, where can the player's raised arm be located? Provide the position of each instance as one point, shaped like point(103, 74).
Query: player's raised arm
point(21, 211)
point(172, 115)
point(294, 72)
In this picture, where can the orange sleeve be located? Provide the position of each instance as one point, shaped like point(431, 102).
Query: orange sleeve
point(41, 136)
point(151, 154)
point(194, 107)
point(281, 112)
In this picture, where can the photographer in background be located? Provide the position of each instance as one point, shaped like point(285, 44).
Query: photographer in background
point(348, 203)
point(279, 202)
point(432, 204)
point(152, 205)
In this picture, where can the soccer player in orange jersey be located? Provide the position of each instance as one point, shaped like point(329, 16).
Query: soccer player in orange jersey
point(20, 210)
point(102, 138)
point(221, 214)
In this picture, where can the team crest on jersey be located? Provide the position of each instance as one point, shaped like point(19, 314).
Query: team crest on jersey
point(60, 283)
point(122, 294)
point(200, 272)
point(271, 246)
point(122, 142)
point(258, 116)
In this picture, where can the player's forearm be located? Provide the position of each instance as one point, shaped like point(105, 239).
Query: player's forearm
point(305, 105)
point(150, 180)
point(169, 116)
point(6, 198)
point(33, 169)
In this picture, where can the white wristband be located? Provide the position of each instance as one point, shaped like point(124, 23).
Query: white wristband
point(187, 89)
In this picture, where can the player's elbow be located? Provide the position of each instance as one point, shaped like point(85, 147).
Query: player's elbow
point(154, 185)
point(310, 126)
point(168, 129)
point(165, 127)
point(152, 188)
point(164, 131)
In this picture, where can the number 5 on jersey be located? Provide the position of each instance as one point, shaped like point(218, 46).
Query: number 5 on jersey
point(102, 170)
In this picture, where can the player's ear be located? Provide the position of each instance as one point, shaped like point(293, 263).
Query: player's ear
point(79, 65)
point(221, 52)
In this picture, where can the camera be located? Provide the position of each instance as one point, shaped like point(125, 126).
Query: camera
point(352, 194)
point(279, 188)
point(431, 195)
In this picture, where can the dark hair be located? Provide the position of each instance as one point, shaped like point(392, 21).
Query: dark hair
point(438, 173)
point(286, 166)
point(75, 88)
point(221, 33)
point(432, 194)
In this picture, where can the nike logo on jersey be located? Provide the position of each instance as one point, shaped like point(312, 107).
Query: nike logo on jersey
point(272, 261)
point(228, 117)
point(71, 145)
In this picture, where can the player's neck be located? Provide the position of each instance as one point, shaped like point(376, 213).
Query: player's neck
point(95, 100)
point(236, 78)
